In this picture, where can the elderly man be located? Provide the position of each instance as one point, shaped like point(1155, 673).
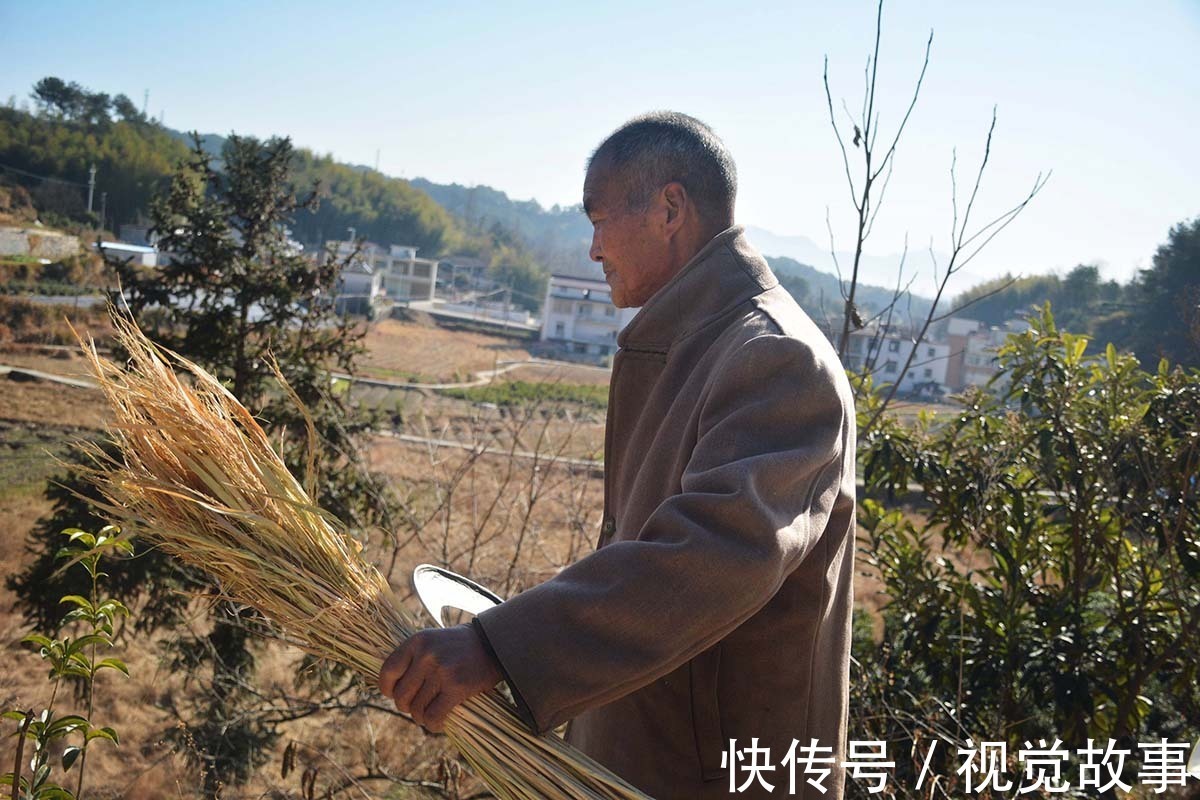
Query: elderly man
point(714, 615)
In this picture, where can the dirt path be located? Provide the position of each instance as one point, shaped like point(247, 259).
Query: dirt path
point(34, 374)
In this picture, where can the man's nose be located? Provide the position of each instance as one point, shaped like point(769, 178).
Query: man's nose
point(595, 253)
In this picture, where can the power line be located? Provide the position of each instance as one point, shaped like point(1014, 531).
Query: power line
point(41, 177)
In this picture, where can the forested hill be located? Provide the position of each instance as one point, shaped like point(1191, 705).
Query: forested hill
point(1155, 315)
point(49, 154)
point(819, 293)
point(558, 236)
point(378, 208)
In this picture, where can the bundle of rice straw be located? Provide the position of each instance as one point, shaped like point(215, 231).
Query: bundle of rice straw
point(198, 476)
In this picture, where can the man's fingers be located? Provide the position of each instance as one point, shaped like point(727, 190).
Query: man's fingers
point(423, 698)
point(436, 670)
point(437, 712)
point(410, 683)
point(393, 668)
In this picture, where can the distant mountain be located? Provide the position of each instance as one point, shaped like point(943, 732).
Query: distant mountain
point(873, 269)
point(878, 270)
point(820, 295)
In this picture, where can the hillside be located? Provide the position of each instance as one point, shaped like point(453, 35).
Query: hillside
point(558, 236)
point(49, 154)
point(821, 296)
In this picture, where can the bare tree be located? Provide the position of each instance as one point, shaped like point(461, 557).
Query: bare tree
point(867, 193)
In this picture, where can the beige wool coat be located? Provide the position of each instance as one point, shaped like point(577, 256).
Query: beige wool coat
point(717, 604)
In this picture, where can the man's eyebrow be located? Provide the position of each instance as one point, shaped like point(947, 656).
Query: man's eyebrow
point(589, 205)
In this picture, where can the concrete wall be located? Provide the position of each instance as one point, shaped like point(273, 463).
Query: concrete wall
point(37, 243)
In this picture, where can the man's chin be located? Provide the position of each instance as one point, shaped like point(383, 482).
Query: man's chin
point(615, 292)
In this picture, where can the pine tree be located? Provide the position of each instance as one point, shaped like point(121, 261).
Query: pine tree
point(235, 294)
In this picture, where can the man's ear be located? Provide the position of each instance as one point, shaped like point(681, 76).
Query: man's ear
point(677, 205)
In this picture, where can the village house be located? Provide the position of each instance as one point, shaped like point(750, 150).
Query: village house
point(579, 320)
point(405, 277)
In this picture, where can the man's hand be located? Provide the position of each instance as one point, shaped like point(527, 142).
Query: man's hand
point(435, 670)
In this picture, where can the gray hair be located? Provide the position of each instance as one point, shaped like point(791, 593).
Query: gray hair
point(662, 147)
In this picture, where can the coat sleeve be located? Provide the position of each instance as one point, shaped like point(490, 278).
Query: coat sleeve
point(756, 496)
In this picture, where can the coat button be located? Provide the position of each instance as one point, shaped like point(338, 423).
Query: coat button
point(609, 527)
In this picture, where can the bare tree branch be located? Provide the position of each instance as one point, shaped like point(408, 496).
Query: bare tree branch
point(837, 132)
point(887, 157)
point(974, 300)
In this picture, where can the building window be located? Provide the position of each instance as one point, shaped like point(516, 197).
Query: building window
point(890, 368)
point(559, 330)
point(562, 307)
point(928, 372)
point(931, 352)
point(610, 311)
point(585, 309)
point(894, 346)
point(421, 270)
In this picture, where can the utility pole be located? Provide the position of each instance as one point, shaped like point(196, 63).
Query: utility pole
point(377, 159)
point(103, 208)
point(91, 186)
point(145, 101)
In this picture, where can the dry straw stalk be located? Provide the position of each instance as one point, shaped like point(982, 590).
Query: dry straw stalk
point(197, 474)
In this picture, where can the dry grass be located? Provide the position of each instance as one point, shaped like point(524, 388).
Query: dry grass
point(450, 493)
point(402, 350)
point(23, 321)
point(54, 361)
point(143, 767)
point(337, 743)
point(560, 373)
point(198, 474)
point(54, 404)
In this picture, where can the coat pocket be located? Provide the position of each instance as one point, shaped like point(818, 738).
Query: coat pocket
point(704, 673)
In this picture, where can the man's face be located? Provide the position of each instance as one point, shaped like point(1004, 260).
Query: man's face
point(624, 241)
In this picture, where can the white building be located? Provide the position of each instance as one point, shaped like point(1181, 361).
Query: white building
point(135, 253)
point(405, 276)
point(884, 353)
point(359, 290)
point(973, 349)
point(579, 318)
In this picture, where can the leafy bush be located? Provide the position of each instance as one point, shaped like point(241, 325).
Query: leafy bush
point(1053, 589)
point(71, 659)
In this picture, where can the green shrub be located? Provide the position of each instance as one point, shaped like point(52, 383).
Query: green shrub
point(74, 659)
point(1049, 585)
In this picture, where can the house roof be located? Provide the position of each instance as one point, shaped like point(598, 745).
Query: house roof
point(125, 247)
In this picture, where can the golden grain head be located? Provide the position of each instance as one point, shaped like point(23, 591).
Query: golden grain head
point(197, 474)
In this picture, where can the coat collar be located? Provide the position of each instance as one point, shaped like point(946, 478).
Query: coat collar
point(725, 272)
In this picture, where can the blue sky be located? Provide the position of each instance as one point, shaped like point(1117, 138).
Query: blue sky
point(515, 94)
